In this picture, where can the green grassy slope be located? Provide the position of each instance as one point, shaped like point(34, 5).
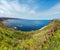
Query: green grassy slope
point(46, 39)
point(53, 43)
point(9, 38)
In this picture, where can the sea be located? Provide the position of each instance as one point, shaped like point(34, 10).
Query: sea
point(25, 24)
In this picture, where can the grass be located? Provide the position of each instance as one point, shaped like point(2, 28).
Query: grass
point(53, 43)
point(11, 39)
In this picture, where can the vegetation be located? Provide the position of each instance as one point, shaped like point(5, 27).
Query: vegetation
point(47, 38)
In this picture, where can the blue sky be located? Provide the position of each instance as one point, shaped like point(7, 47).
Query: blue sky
point(30, 9)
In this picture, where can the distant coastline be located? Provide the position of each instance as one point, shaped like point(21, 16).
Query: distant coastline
point(2, 19)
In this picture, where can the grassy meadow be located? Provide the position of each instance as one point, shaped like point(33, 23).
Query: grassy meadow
point(47, 38)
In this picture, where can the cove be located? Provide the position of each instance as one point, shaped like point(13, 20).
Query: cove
point(25, 25)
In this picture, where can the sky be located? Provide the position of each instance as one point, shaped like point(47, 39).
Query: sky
point(30, 9)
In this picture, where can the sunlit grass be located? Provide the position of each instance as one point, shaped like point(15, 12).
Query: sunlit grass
point(11, 39)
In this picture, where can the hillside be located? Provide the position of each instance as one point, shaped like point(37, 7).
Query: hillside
point(47, 38)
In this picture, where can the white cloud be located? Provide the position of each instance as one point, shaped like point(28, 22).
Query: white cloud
point(53, 10)
point(51, 13)
point(16, 10)
point(32, 12)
